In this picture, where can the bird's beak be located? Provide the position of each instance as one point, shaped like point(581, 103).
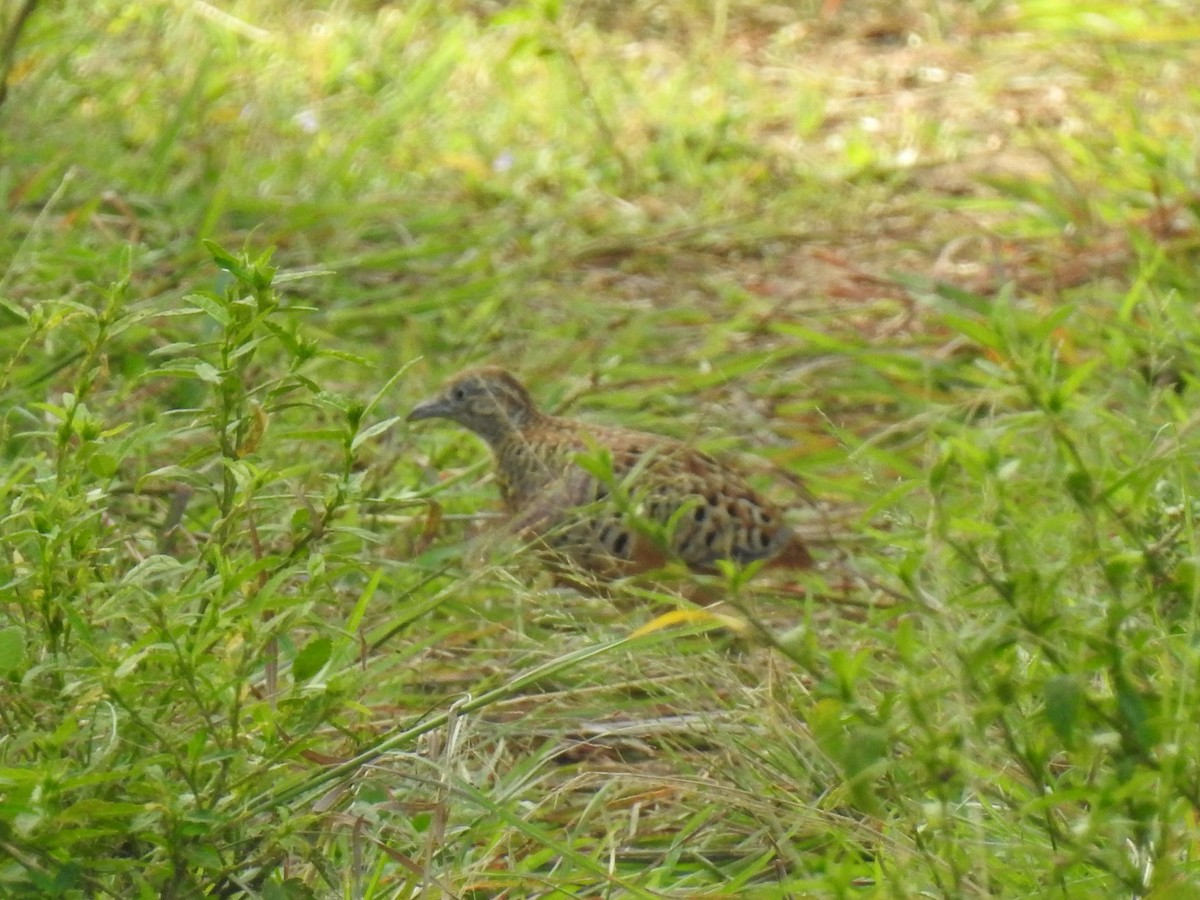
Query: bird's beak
point(428, 409)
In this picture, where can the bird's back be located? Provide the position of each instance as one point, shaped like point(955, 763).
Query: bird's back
point(610, 498)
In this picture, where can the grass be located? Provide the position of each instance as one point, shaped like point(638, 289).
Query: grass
point(931, 263)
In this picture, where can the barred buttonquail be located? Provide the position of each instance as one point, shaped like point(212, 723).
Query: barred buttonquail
point(596, 522)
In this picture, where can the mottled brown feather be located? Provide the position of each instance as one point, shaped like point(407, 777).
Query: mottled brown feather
point(599, 524)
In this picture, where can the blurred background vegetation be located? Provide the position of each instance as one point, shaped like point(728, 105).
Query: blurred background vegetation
point(934, 262)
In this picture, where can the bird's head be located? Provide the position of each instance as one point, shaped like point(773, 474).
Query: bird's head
point(489, 401)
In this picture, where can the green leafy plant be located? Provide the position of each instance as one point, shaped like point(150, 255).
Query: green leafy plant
point(180, 606)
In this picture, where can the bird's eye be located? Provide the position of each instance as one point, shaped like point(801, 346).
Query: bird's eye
point(459, 394)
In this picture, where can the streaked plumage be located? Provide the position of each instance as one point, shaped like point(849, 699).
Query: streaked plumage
point(589, 491)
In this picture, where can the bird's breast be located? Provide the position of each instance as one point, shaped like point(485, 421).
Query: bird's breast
point(524, 470)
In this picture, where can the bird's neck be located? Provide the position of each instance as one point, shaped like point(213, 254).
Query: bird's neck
point(503, 431)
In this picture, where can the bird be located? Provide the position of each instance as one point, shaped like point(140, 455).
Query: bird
point(611, 501)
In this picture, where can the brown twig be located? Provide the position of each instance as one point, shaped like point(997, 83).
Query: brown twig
point(9, 48)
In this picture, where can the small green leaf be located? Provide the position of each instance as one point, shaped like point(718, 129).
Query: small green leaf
point(597, 462)
point(91, 809)
point(227, 261)
point(378, 428)
point(12, 649)
point(14, 310)
point(208, 373)
point(285, 277)
point(1064, 701)
point(1081, 488)
point(975, 330)
point(103, 465)
point(848, 669)
point(56, 881)
point(1187, 574)
point(1072, 383)
point(210, 306)
point(1136, 711)
point(312, 658)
